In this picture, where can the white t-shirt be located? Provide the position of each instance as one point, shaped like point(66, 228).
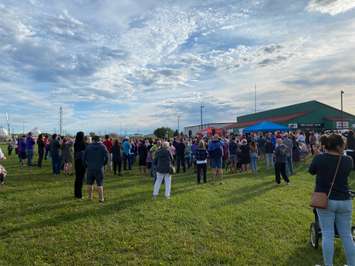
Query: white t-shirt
point(2, 155)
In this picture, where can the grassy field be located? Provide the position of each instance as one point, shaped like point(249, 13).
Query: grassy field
point(246, 221)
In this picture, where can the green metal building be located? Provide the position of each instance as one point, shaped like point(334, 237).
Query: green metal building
point(312, 115)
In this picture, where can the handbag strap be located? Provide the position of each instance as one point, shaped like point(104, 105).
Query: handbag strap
point(335, 175)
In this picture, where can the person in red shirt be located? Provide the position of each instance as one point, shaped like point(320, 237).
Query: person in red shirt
point(108, 145)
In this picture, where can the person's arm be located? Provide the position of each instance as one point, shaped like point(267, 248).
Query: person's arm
point(85, 156)
point(155, 159)
point(105, 155)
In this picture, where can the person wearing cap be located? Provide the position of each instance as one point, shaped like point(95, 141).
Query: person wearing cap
point(95, 158)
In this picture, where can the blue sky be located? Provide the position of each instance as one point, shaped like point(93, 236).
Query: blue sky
point(128, 66)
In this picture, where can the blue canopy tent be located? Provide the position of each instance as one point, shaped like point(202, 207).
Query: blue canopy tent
point(265, 126)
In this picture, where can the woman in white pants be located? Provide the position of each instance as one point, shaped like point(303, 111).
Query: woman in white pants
point(163, 161)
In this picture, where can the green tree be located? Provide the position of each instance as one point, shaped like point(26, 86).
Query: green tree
point(163, 132)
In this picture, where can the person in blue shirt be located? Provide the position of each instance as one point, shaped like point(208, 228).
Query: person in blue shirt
point(126, 147)
point(215, 151)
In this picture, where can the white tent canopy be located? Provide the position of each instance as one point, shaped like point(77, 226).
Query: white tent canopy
point(3, 133)
point(35, 132)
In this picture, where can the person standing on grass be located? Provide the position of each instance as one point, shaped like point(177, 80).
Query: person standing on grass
point(188, 154)
point(289, 161)
point(10, 147)
point(108, 144)
point(142, 153)
point(79, 149)
point(180, 155)
point(55, 154)
point(41, 148)
point(47, 147)
point(269, 152)
point(126, 147)
point(67, 156)
point(3, 172)
point(163, 161)
point(21, 146)
point(233, 155)
point(253, 157)
point(29, 148)
point(95, 158)
point(116, 158)
point(156, 146)
point(201, 162)
point(244, 155)
point(280, 155)
point(339, 211)
point(215, 151)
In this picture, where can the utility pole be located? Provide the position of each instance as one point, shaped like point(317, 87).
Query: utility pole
point(178, 121)
point(8, 124)
point(342, 108)
point(60, 120)
point(201, 110)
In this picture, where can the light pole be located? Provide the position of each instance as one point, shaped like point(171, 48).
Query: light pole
point(201, 110)
point(178, 121)
point(342, 108)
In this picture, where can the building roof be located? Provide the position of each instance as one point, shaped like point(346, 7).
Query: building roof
point(290, 109)
point(212, 123)
point(274, 119)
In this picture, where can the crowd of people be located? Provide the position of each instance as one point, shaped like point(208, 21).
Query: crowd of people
point(92, 156)
point(233, 153)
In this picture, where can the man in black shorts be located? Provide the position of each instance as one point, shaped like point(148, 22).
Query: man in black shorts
point(95, 158)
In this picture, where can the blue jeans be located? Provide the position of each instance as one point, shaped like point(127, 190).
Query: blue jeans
point(253, 163)
point(269, 160)
point(340, 213)
point(289, 165)
point(56, 163)
point(29, 157)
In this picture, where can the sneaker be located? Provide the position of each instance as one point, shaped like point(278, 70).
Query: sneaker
point(168, 198)
point(154, 198)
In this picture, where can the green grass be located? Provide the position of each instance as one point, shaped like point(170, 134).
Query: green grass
point(246, 221)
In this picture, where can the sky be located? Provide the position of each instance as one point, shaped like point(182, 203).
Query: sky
point(130, 66)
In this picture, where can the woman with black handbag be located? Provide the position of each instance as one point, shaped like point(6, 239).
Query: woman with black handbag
point(332, 199)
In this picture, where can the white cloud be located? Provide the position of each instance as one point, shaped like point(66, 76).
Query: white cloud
point(332, 7)
point(136, 64)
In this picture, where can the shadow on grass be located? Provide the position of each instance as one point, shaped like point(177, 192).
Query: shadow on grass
point(306, 255)
point(103, 210)
point(247, 193)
